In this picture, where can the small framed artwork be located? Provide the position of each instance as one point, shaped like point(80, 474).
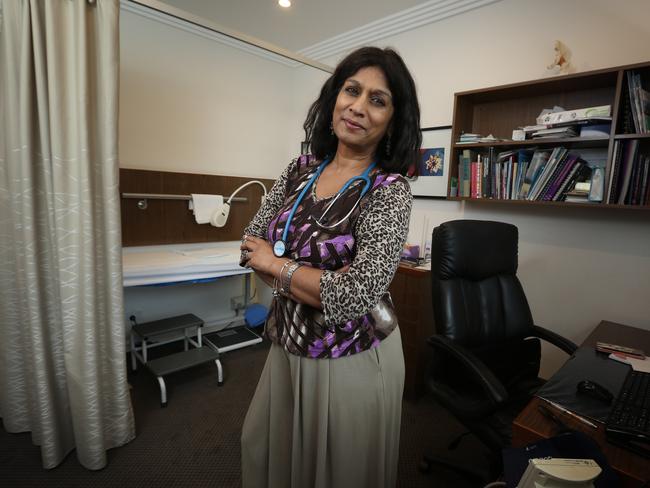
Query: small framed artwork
point(434, 163)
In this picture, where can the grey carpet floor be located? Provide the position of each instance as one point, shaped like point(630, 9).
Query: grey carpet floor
point(194, 442)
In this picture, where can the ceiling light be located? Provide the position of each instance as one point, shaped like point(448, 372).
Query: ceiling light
point(284, 3)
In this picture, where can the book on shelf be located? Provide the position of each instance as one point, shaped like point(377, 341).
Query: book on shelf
point(639, 102)
point(530, 129)
point(453, 186)
point(633, 105)
point(613, 172)
point(638, 181)
point(564, 131)
point(576, 197)
point(536, 166)
point(490, 138)
point(585, 121)
point(504, 174)
point(476, 171)
point(628, 124)
point(644, 192)
point(561, 175)
point(466, 157)
point(551, 173)
point(629, 157)
point(474, 138)
point(575, 173)
point(629, 174)
point(466, 138)
point(556, 156)
point(488, 168)
point(579, 185)
point(575, 115)
point(524, 157)
point(588, 127)
point(632, 192)
point(642, 106)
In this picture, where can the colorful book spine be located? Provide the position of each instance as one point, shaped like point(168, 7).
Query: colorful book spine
point(561, 176)
point(645, 184)
point(537, 163)
point(473, 187)
point(626, 173)
point(557, 154)
point(466, 159)
point(614, 170)
point(633, 191)
point(571, 180)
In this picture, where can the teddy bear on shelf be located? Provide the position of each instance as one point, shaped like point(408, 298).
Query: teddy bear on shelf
point(561, 63)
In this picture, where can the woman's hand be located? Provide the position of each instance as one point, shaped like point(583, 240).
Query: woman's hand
point(259, 254)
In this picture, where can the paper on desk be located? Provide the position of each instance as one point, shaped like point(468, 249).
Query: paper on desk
point(642, 365)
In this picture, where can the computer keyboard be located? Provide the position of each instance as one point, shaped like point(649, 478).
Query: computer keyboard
point(628, 423)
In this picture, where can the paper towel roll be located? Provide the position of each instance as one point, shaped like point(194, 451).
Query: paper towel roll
point(204, 206)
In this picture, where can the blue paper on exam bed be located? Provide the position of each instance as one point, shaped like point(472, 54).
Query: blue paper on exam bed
point(585, 364)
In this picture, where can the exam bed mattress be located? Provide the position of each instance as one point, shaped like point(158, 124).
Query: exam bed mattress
point(173, 263)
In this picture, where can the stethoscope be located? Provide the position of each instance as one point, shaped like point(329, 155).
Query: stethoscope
point(280, 246)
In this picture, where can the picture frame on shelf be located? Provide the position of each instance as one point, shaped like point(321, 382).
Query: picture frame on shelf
point(434, 163)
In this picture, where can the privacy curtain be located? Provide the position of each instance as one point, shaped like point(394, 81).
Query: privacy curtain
point(62, 346)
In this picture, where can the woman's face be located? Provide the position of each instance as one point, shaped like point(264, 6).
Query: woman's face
point(363, 110)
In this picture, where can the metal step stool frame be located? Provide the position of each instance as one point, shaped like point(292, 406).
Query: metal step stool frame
point(142, 356)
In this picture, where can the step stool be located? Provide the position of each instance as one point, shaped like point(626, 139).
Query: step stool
point(179, 361)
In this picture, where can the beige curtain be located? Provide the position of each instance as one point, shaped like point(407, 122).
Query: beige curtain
point(62, 347)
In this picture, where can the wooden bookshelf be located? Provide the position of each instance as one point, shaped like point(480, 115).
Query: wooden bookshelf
point(499, 110)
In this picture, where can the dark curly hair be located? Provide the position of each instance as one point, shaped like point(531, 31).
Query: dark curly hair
point(405, 124)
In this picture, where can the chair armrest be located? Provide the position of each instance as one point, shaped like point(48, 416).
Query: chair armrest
point(487, 380)
point(556, 339)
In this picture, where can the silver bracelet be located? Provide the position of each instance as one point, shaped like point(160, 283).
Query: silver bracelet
point(286, 280)
point(276, 287)
point(286, 263)
point(278, 281)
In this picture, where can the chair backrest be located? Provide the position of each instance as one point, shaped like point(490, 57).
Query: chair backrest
point(477, 297)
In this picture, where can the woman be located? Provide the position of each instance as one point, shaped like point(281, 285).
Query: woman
point(326, 412)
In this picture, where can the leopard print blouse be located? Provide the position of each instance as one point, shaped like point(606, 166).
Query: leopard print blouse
point(357, 309)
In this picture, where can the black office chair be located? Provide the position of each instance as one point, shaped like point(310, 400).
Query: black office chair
point(486, 351)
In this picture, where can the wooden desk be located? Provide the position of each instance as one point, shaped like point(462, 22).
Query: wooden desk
point(411, 293)
point(531, 425)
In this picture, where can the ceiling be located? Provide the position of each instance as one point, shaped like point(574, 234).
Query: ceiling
point(305, 23)
point(318, 28)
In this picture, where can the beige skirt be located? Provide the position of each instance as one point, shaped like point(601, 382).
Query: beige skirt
point(326, 423)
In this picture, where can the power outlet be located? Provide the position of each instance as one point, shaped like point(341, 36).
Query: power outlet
point(237, 303)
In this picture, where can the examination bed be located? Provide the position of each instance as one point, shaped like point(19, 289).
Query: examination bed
point(182, 264)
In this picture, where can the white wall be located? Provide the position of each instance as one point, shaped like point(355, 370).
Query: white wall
point(192, 104)
point(578, 266)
